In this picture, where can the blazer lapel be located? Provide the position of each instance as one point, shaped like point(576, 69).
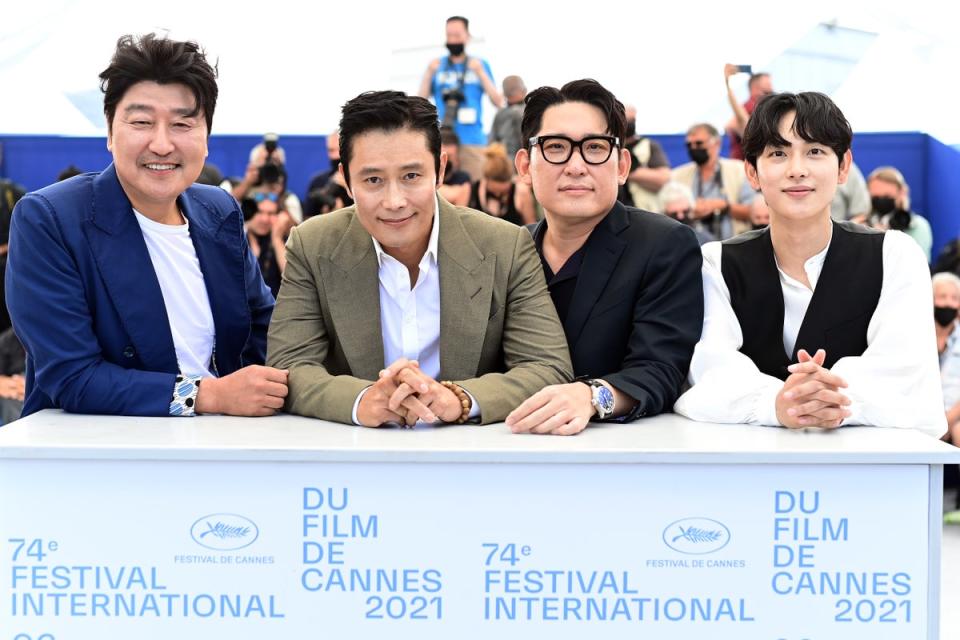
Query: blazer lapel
point(221, 264)
point(601, 255)
point(353, 297)
point(120, 252)
point(466, 288)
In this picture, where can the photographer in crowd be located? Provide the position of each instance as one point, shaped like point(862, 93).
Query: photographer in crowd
point(266, 172)
point(326, 191)
point(457, 84)
point(268, 226)
point(890, 207)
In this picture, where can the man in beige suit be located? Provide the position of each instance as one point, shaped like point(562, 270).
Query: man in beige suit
point(719, 185)
point(381, 300)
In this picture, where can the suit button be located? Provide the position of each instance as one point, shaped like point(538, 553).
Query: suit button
point(129, 352)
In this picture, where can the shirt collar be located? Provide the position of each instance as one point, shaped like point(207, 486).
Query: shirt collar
point(813, 265)
point(430, 256)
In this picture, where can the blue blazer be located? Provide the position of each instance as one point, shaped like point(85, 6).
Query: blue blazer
point(87, 306)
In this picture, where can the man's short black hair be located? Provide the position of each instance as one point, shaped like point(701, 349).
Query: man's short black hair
point(388, 111)
point(817, 119)
point(466, 23)
point(589, 91)
point(154, 59)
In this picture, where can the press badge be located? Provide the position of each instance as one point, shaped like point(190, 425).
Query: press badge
point(467, 115)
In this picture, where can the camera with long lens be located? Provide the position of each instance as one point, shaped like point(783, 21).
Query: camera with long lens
point(452, 99)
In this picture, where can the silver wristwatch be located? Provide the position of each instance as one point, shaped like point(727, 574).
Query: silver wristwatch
point(601, 398)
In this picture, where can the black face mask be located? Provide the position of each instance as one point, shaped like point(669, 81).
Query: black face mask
point(631, 129)
point(334, 164)
point(944, 315)
point(883, 205)
point(455, 49)
point(699, 155)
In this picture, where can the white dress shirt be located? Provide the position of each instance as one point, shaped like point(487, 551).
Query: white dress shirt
point(410, 316)
point(895, 383)
point(185, 297)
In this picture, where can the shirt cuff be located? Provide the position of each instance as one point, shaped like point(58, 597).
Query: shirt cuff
point(474, 407)
point(765, 409)
point(184, 401)
point(356, 405)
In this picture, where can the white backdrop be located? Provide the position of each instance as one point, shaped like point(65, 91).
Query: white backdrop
point(288, 66)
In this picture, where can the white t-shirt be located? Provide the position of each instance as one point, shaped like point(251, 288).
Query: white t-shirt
point(175, 261)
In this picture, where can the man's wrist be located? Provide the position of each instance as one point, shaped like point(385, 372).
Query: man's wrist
point(463, 405)
point(207, 396)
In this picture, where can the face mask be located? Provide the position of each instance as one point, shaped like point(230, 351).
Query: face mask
point(698, 155)
point(455, 49)
point(883, 205)
point(944, 315)
point(631, 129)
point(334, 164)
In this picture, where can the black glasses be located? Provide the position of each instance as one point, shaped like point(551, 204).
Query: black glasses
point(558, 149)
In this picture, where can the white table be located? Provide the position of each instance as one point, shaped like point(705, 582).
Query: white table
point(286, 527)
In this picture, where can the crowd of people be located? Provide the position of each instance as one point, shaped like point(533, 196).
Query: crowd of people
point(555, 272)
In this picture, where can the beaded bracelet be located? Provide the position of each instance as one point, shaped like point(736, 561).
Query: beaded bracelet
point(465, 402)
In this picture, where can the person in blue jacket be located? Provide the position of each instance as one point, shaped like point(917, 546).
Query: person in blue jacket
point(133, 290)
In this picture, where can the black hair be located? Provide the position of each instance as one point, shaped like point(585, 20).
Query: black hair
point(388, 111)
point(589, 91)
point(466, 23)
point(69, 172)
point(164, 61)
point(817, 119)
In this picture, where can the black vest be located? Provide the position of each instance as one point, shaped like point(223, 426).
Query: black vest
point(843, 302)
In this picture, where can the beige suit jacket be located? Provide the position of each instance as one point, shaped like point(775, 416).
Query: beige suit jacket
point(500, 338)
point(732, 176)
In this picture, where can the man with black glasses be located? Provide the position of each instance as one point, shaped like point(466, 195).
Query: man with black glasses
point(625, 282)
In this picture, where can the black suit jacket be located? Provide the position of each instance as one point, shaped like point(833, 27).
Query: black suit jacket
point(637, 309)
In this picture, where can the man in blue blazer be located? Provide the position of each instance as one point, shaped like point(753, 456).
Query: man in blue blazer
point(132, 291)
point(626, 283)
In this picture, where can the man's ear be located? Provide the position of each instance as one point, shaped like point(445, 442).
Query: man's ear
point(752, 176)
point(443, 167)
point(623, 168)
point(346, 182)
point(522, 162)
point(845, 163)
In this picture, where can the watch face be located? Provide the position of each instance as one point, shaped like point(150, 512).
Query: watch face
point(606, 399)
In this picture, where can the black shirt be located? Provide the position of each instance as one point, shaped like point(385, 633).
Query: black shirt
point(563, 283)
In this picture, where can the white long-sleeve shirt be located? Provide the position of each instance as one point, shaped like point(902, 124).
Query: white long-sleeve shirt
point(895, 383)
point(410, 316)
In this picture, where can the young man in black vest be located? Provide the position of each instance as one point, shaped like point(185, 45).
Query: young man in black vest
point(857, 299)
point(626, 283)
